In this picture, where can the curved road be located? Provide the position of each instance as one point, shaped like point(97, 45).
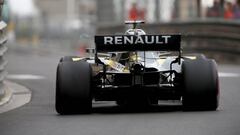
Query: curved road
point(37, 70)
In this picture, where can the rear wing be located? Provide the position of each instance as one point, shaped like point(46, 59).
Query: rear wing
point(108, 43)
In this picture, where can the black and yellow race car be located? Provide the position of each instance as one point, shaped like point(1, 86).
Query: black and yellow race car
point(136, 69)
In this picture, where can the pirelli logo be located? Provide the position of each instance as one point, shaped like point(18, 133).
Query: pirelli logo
point(138, 43)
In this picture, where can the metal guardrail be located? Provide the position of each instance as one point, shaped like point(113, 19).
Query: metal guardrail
point(3, 49)
point(3, 62)
point(205, 35)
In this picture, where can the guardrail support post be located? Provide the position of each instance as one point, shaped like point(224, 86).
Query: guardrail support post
point(199, 8)
point(222, 8)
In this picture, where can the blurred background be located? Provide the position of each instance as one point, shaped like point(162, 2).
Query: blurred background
point(68, 26)
point(40, 32)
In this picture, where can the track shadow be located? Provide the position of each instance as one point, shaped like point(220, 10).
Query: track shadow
point(136, 109)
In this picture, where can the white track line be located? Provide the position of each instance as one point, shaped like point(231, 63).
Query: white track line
point(223, 74)
point(24, 77)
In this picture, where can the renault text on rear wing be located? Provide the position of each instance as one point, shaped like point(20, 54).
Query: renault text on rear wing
point(137, 43)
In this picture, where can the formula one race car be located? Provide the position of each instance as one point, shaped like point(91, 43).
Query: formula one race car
point(136, 69)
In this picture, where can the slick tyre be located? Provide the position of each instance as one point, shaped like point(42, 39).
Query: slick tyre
point(73, 88)
point(201, 86)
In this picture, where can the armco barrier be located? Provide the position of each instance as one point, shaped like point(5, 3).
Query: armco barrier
point(204, 35)
point(3, 49)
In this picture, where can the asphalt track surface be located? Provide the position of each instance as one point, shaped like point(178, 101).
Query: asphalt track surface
point(38, 117)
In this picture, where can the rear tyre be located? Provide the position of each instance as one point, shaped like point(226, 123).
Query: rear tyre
point(200, 56)
point(201, 88)
point(73, 88)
